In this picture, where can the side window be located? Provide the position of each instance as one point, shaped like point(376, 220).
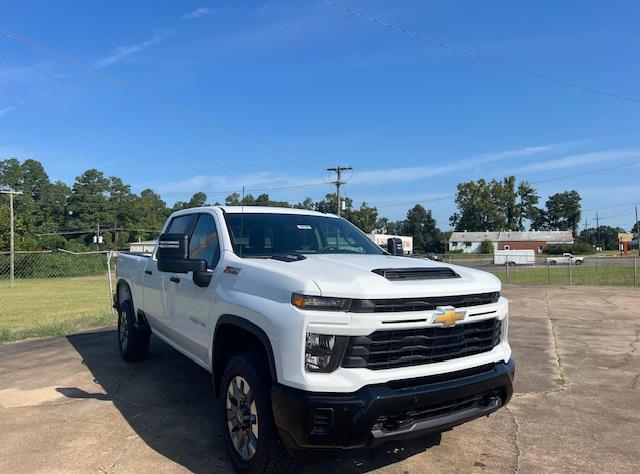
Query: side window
point(204, 241)
point(181, 224)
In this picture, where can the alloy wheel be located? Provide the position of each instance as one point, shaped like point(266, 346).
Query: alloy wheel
point(242, 417)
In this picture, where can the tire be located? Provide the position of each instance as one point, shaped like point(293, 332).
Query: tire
point(578, 262)
point(133, 339)
point(255, 446)
point(552, 262)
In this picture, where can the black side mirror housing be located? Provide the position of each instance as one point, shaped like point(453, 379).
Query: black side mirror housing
point(394, 246)
point(173, 255)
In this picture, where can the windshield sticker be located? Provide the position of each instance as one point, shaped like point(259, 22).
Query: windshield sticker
point(304, 226)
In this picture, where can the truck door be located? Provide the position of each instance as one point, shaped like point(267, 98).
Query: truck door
point(160, 287)
point(193, 310)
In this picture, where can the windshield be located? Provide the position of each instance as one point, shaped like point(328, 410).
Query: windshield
point(264, 235)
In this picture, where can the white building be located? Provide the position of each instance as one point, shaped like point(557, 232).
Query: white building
point(470, 242)
point(146, 246)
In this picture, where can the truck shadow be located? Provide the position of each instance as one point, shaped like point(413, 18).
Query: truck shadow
point(168, 401)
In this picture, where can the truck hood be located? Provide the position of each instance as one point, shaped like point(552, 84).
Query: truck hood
point(352, 276)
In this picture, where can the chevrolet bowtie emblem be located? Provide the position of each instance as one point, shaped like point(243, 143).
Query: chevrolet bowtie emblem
point(447, 316)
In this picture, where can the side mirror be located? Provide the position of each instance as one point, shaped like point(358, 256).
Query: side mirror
point(173, 255)
point(394, 246)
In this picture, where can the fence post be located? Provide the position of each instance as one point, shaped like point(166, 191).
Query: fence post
point(635, 273)
point(548, 274)
point(506, 266)
point(109, 255)
point(570, 268)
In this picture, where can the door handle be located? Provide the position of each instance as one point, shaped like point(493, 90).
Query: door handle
point(175, 279)
point(148, 272)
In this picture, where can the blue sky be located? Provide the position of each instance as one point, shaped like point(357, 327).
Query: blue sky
point(267, 94)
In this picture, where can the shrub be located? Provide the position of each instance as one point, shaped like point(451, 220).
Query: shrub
point(487, 247)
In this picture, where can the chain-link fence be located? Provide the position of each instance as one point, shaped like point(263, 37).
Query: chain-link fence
point(54, 293)
point(593, 271)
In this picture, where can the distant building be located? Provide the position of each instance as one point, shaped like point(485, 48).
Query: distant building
point(469, 242)
point(145, 246)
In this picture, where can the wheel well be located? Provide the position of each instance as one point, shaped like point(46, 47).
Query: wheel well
point(123, 292)
point(239, 335)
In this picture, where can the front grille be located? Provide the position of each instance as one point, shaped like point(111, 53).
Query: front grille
point(428, 303)
point(426, 273)
point(409, 347)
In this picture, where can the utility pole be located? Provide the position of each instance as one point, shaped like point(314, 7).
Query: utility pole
point(12, 256)
point(586, 230)
point(598, 231)
point(338, 182)
point(637, 230)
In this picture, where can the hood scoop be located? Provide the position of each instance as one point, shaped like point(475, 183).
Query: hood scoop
point(420, 273)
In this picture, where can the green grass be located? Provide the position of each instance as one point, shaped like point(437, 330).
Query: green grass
point(53, 307)
point(621, 275)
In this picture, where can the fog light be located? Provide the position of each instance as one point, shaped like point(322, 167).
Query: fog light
point(324, 352)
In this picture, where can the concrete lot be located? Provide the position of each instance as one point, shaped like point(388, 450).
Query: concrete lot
point(71, 404)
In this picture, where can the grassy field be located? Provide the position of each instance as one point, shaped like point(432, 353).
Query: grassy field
point(559, 275)
point(52, 307)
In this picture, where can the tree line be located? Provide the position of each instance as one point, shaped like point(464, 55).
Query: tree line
point(52, 215)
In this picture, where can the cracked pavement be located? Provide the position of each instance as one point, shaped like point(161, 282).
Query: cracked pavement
point(71, 404)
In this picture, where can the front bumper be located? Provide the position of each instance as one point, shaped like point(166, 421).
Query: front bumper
point(395, 410)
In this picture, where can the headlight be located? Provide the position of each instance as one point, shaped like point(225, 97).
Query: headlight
point(324, 353)
point(320, 303)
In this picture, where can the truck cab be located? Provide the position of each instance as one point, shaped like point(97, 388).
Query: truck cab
point(317, 339)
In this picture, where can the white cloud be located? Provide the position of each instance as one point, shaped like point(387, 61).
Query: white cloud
point(6, 110)
point(197, 13)
point(572, 161)
point(121, 52)
point(421, 172)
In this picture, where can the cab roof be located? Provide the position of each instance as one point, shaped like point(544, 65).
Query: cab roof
point(264, 210)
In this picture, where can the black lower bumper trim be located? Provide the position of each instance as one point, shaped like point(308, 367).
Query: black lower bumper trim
point(379, 413)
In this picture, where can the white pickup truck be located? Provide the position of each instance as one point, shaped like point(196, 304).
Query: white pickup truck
point(565, 259)
point(317, 340)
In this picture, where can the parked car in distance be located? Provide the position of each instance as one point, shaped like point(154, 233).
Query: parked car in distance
point(433, 256)
point(565, 259)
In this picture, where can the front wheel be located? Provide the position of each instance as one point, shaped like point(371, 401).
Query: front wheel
point(251, 436)
point(578, 262)
point(552, 262)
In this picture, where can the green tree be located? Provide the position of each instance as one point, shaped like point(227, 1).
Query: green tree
point(526, 208)
point(481, 206)
point(421, 225)
point(563, 211)
point(150, 212)
point(365, 218)
point(604, 236)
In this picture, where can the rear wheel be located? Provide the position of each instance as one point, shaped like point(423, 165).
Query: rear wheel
point(133, 338)
point(251, 436)
point(552, 262)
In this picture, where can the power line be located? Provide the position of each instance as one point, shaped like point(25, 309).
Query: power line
point(167, 104)
point(477, 57)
